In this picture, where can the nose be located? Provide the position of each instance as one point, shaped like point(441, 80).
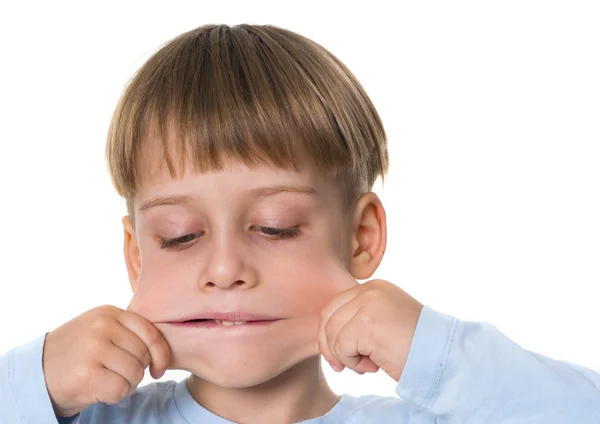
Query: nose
point(228, 265)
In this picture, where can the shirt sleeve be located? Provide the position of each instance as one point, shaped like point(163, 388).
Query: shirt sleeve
point(469, 372)
point(24, 398)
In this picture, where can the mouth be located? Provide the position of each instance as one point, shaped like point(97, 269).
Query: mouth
point(224, 319)
point(226, 326)
point(225, 323)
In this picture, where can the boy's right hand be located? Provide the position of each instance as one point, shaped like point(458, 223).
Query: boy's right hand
point(100, 356)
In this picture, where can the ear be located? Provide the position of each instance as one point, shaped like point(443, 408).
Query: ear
point(369, 236)
point(131, 251)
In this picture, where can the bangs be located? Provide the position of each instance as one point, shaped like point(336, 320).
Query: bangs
point(259, 95)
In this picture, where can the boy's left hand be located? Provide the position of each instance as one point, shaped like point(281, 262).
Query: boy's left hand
point(368, 327)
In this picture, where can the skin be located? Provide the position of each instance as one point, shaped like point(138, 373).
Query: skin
point(232, 263)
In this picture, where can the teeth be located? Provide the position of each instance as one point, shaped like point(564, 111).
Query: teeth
point(229, 323)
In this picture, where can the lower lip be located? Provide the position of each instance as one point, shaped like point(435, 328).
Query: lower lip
point(214, 325)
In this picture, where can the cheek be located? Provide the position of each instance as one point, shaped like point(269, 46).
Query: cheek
point(165, 269)
point(308, 281)
point(158, 285)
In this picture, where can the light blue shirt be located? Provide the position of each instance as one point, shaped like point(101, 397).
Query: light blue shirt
point(457, 372)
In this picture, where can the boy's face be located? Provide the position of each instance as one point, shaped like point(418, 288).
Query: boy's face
point(232, 261)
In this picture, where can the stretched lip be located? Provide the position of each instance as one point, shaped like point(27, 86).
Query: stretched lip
point(225, 316)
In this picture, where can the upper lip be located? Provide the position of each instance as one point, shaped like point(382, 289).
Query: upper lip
point(227, 316)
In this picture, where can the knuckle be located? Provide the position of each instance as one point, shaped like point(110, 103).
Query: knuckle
point(156, 345)
point(105, 309)
point(145, 359)
point(92, 347)
point(154, 338)
point(110, 308)
point(365, 319)
point(120, 390)
point(81, 376)
point(99, 324)
point(88, 382)
point(337, 345)
point(373, 294)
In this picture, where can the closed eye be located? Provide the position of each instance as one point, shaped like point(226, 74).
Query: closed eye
point(166, 243)
point(271, 232)
point(280, 233)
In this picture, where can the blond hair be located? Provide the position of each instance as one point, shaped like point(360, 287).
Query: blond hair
point(258, 94)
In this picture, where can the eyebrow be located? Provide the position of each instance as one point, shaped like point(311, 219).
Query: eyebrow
point(255, 192)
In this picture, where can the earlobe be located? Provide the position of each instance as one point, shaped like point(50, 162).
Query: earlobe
point(131, 252)
point(369, 236)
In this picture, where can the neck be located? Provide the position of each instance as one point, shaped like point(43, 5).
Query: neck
point(300, 393)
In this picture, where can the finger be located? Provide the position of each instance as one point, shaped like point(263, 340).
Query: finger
point(343, 335)
point(326, 314)
point(347, 348)
point(366, 365)
point(124, 364)
point(108, 386)
point(324, 349)
point(348, 336)
point(130, 342)
point(334, 325)
point(160, 353)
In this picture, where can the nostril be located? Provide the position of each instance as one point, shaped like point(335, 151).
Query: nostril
point(235, 283)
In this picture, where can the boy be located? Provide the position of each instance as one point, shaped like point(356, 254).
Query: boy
point(246, 156)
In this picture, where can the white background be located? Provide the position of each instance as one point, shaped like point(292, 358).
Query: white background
point(492, 114)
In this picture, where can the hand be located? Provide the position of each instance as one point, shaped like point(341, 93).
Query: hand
point(368, 327)
point(100, 356)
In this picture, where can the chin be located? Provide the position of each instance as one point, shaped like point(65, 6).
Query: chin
point(237, 373)
point(240, 360)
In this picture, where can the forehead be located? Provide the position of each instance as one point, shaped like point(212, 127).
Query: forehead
point(171, 164)
point(228, 182)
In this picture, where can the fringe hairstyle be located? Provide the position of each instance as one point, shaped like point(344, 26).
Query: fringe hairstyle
point(258, 94)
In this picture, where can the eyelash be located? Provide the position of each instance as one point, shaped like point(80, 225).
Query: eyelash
point(275, 233)
point(166, 243)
